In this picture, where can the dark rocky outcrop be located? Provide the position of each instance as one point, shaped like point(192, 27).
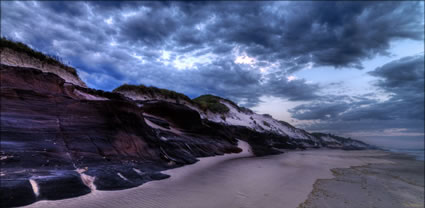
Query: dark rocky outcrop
point(48, 132)
point(70, 180)
point(178, 114)
point(17, 192)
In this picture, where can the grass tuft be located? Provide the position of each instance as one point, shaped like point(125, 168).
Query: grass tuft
point(212, 103)
point(22, 48)
point(153, 91)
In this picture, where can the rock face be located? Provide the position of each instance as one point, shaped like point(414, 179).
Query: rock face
point(60, 139)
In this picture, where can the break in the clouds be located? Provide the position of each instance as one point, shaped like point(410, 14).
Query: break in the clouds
point(402, 113)
point(239, 50)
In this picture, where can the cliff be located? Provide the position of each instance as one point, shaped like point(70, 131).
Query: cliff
point(18, 54)
point(60, 139)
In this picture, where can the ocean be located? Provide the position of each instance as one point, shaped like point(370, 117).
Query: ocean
point(411, 145)
point(419, 154)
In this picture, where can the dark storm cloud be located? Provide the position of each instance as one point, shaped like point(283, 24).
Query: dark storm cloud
point(327, 33)
point(322, 111)
point(402, 79)
point(116, 42)
point(150, 28)
point(403, 76)
point(329, 107)
point(74, 10)
point(295, 90)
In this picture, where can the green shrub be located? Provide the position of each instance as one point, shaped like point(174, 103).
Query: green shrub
point(22, 48)
point(211, 103)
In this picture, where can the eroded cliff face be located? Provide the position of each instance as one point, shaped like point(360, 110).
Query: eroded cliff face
point(13, 58)
point(265, 134)
point(61, 140)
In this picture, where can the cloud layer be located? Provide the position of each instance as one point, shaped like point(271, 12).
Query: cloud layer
point(238, 50)
point(402, 80)
point(155, 42)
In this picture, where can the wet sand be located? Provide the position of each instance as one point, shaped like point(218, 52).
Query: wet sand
point(242, 181)
point(395, 185)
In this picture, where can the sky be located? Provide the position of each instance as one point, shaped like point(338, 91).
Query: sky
point(350, 68)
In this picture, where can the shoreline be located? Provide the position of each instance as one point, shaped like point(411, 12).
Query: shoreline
point(398, 185)
point(234, 181)
point(416, 154)
point(175, 174)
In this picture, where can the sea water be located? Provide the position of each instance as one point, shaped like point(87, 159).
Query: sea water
point(410, 145)
point(419, 154)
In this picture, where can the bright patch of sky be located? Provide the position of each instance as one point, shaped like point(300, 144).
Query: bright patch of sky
point(140, 58)
point(165, 55)
point(189, 61)
point(277, 107)
point(129, 14)
point(291, 78)
point(244, 59)
point(109, 21)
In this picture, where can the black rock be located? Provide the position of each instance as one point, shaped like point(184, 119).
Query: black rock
point(16, 193)
point(61, 185)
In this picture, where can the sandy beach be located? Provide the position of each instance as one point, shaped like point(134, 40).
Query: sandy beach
point(312, 178)
point(400, 184)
